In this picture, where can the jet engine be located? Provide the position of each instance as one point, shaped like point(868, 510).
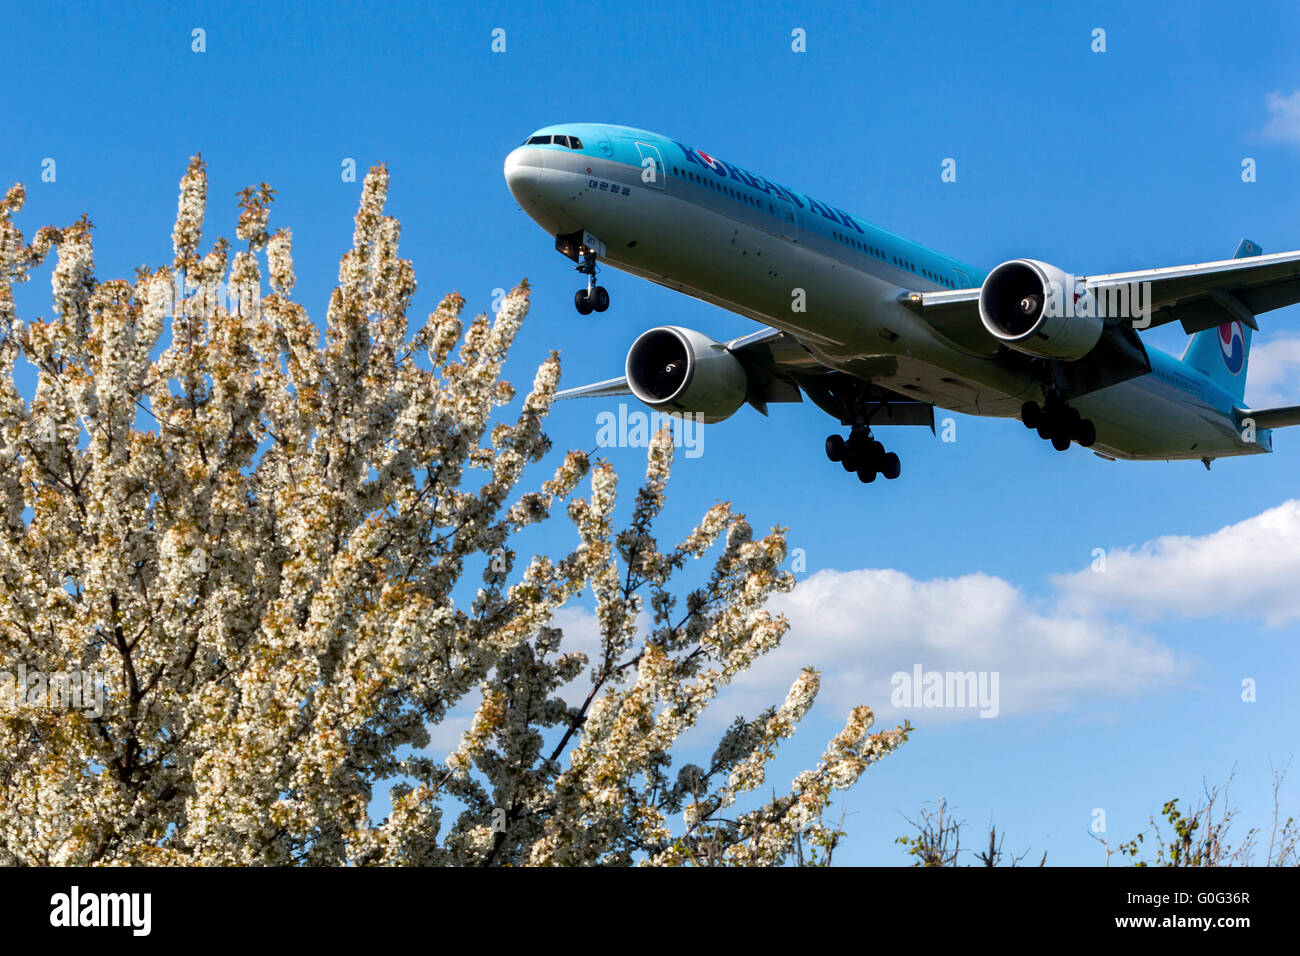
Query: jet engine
point(1037, 309)
point(679, 370)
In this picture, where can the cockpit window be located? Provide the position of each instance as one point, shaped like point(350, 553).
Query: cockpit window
point(571, 142)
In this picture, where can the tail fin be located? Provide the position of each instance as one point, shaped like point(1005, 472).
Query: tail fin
point(1222, 354)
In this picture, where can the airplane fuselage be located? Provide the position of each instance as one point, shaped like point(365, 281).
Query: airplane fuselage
point(789, 260)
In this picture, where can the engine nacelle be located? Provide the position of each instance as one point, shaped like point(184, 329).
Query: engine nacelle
point(673, 370)
point(1037, 309)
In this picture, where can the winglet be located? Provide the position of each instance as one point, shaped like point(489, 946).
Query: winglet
point(1246, 249)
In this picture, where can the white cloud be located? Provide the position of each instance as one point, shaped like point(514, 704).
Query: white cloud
point(1077, 645)
point(861, 627)
point(1283, 117)
point(1249, 569)
point(1274, 372)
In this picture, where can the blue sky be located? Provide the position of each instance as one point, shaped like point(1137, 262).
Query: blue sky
point(1114, 696)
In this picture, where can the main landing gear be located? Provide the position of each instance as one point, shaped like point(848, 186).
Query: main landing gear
point(1058, 423)
point(852, 401)
point(594, 298)
point(861, 453)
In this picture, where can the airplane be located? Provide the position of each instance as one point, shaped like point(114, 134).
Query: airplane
point(877, 330)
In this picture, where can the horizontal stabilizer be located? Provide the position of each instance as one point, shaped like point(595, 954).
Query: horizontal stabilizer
point(1279, 417)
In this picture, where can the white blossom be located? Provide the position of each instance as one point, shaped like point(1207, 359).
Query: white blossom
point(263, 539)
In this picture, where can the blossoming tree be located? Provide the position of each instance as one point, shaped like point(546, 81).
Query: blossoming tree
point(269, 546)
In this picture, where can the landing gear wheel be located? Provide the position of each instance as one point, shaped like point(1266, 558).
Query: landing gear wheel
point(865, 448)
point(1031, 414)
point(1060, 442)
point(594, 298)
point(1086, 434)
point(860, 452)
point(890, 466)
point(1043, 431)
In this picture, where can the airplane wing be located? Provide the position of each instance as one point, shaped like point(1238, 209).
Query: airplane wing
point(606, 389)
point(1200, 296)
point(955, 315)
point(1279, 417)
point(767, 355)
point(1211, 293)
point(780, 369)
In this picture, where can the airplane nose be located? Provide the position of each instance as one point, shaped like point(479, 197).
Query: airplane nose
point(523, 174)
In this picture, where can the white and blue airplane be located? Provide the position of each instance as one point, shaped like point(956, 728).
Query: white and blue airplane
point(878, 330)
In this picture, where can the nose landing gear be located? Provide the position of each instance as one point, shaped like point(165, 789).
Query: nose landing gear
point(1058, 423)
point(861, 453)
point(594, 298)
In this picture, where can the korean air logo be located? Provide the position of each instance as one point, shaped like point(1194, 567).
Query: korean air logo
point(1232, 343)
point(713, 164)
